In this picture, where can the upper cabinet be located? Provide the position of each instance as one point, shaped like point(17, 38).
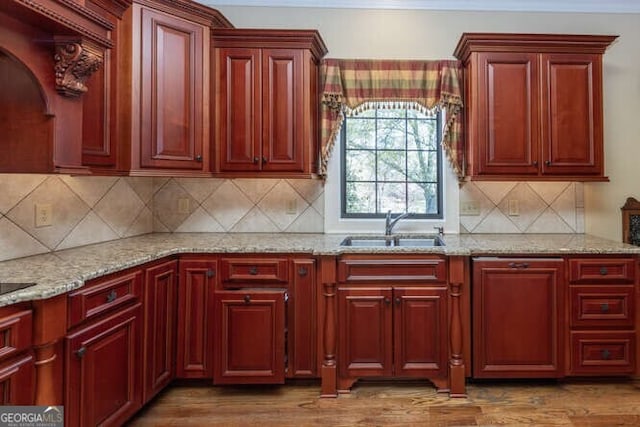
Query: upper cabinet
point(533, 106)
point(48, 51)
point(266, 101)
point(155, 96)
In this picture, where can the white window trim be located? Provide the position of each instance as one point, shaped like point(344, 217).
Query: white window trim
point(333, 223)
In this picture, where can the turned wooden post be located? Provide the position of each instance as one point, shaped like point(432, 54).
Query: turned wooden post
point(329, 371)
point(456, 362)
point(49, 329)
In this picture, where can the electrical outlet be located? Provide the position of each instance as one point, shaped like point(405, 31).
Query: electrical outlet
point(291, 207)
point(43, 215)
point(183, 205)
point(470, 208)
point(514, 207)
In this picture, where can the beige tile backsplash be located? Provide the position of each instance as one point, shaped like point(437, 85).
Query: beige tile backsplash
point(96, 209)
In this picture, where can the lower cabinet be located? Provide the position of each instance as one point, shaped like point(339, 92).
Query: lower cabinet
point(392, 318)
point(602, 316)
point(103, 370)
point(160, 295)
point(518, 317)
point(195, 308)
point(392, 332)
point(264, 312)
point(17, 367)
point(249, 337)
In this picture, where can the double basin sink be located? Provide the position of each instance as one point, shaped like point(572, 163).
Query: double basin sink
point(393, 241)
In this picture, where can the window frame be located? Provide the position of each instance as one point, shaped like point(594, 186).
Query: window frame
point(440, 214)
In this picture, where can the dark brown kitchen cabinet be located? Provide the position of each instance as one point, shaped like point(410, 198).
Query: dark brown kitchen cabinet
point(250, 337)
point(518, 317)
point(160, 308)
point(264, 319)
point(533, 105)
point(198, 277)
point(17, 369)
point(154, 93)
point(103, 350)
point(267, 101)
point(602, 309)
point(392, 332)
point(392, 318)
point(103, 370)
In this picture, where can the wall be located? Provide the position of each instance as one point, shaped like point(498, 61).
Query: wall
point(96, 209)
point(421, 34)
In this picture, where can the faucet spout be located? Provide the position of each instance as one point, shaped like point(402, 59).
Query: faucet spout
point(390, 223)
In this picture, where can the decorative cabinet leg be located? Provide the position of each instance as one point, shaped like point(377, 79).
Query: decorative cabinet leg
point(456, 363)
point(48, 374)
point(329, 369)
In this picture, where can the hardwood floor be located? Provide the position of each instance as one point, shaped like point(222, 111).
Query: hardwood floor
point(587, 403)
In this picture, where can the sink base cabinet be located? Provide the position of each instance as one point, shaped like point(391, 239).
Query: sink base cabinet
point(518, 321)
point(392, 319)
point(392, 332)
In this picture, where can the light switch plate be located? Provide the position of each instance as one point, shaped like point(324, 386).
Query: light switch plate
point(183, 205)
point(470, 208)
point(43, 215)
point(514, 207)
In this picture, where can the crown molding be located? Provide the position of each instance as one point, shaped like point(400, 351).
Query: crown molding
point(575, 6)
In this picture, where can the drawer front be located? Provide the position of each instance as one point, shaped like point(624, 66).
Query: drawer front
point(602, 270)
point(402, 270)
point(235, 271)
point(604, 306)
point(15, 333)
point(602, 353)
point(103, 296)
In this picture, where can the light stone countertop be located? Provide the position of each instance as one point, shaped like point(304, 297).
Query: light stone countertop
point(59, 272)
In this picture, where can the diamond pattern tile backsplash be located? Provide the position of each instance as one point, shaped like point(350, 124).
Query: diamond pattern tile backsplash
point(522, 207)
point(96, 209)
point(89, 210)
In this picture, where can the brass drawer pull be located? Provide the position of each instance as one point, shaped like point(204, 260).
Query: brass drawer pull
point(253, 270)
point(603, 271)
point(247, 299)
point(302, 271)
point(80, 352)
point(518, 265)
point(210, 273)
point(604, 307)
point(606, 354)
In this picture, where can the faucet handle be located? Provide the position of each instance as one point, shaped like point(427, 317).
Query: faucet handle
point(440, 230)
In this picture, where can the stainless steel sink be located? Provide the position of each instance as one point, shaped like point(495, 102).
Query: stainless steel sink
point(400, 241)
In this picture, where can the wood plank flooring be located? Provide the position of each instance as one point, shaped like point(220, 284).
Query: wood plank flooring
point(584, 403)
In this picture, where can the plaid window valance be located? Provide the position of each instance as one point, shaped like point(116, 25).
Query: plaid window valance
point(352, 84)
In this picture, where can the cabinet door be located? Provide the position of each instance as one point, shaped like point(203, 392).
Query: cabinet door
point(103, 370)
point(420, 332)
point(250, 338)
point(159, 327)
point(572, 114)
point(195, 301)
point(365, 345)
point(282, 109)
point(172, 90)
point(17, 381)
point(239, 109)
point(517, 318)
point(508, 108)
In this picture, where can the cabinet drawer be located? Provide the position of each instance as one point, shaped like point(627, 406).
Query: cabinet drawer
point(103, 295)
point(602, 270)
point(253, 271)
point(15, 333)
point(602, 353)
point(376, 270)
point(602, 306)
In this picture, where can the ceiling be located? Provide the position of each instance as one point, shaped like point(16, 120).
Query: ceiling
point(588, 6)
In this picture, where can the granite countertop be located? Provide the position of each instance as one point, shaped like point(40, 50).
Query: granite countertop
point(58, 272)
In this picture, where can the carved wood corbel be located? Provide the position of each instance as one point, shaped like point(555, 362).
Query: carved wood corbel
point(75, 61)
